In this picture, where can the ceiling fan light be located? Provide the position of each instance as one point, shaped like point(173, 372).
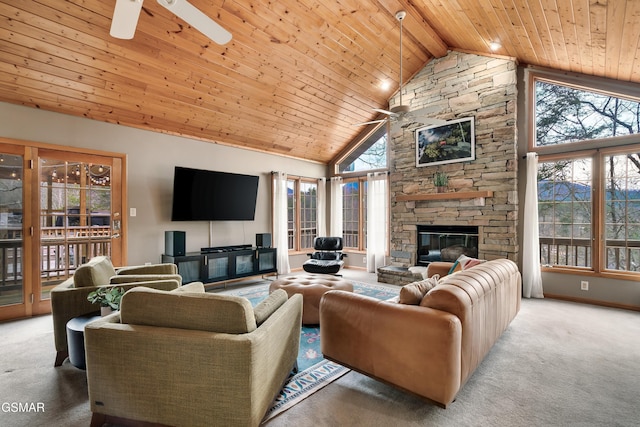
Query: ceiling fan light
point(399, 109)
point(125, 18)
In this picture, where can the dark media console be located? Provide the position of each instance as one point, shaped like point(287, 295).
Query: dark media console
point(223, 263)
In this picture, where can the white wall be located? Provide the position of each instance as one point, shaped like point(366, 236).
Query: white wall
point(151, 158)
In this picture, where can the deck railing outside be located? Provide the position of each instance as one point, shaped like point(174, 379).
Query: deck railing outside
point(62, 251)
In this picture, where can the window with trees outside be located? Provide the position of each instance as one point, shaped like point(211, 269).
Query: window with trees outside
point(354, 206)
point(369, 155)
point(302, 198)
point(588, 178)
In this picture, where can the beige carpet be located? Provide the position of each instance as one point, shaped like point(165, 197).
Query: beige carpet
point(559, 363)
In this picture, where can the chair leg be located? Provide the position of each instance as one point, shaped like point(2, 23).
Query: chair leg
point(98, 420)
point(60, 357)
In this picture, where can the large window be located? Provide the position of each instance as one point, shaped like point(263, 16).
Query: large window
point(302, 198)
point(369, 155)
point(588, 192)
point(564, 212)
point(353, 213)
point(567, 114)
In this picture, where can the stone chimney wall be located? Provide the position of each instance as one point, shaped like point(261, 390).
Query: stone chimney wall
point(456, 86)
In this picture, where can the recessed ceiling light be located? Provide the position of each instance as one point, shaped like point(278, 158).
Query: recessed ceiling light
point(494, 46)
point(385, 84)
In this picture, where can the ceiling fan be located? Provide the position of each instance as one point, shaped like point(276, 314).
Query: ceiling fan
point(127, 12)
point(401, 115)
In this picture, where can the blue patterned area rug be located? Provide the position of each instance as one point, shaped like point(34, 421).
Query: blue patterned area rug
point(315, 372)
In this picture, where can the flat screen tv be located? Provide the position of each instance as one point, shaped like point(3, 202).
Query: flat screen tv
point(202, 195)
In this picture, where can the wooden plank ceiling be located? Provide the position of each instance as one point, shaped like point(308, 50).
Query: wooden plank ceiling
point(298, 73)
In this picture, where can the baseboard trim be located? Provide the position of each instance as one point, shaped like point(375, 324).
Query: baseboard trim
point(593, 302)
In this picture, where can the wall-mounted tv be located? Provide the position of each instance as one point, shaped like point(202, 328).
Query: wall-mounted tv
point(202, 195)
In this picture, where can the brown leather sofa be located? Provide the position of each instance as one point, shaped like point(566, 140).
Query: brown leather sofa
point(430, 349)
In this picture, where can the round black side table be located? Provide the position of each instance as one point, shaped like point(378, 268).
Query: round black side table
point(75, 339)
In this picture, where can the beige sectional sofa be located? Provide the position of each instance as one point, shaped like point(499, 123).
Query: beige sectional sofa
point(190, 358)
point(429, 349)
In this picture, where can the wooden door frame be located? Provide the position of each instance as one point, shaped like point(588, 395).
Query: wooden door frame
point(24, 309)
point(31, 229)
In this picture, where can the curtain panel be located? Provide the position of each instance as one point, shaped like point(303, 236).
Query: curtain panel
point(280, 230)
point(377, 214)
point(335, 228)
point(531, 275)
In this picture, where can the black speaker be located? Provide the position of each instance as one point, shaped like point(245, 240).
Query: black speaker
point(263, 240)
point(174, 243)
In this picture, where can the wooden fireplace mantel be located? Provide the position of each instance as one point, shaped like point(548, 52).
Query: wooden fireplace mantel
point(445, 196)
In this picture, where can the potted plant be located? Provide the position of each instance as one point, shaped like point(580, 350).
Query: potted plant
point(441, 181)
point(108, 298)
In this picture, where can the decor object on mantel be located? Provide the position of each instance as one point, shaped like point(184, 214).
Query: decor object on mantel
point(441, 181)
point(108, 298)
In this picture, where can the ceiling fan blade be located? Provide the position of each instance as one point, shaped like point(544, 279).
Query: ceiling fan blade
point(198, 20)
point(423, 116)
point(380, 110)
point(125, 18)
point(369, 123)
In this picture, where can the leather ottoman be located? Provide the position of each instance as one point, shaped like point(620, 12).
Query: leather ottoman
point(312, 287)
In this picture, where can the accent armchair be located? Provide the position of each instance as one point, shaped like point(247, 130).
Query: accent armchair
point(69, 298)
point(327, 258)
point(190, 358)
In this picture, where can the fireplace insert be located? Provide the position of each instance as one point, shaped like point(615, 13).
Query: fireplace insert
point(446, 242)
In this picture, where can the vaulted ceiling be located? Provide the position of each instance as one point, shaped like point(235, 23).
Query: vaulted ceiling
point(298, 73)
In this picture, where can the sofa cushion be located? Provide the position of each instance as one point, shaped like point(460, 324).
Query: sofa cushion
point(413, 293)
point(97, 272)
point(187, 310)
point(268, 306)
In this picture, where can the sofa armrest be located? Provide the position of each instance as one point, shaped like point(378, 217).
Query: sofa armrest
point(440, 268)
point(415, 348)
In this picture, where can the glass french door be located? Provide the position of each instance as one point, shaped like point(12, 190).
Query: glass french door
point(79, 213)
point(58, 209)
point(12, 236)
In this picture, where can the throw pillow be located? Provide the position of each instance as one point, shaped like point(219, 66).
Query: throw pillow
point(413, 293)
point(455, 267)
point(96, 272)
point(468, 262)
point(268, 306)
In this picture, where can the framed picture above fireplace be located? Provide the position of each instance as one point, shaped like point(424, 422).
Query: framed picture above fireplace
point(452, 142)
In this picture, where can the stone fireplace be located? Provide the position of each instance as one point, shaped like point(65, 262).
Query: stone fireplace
point(482, 193)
